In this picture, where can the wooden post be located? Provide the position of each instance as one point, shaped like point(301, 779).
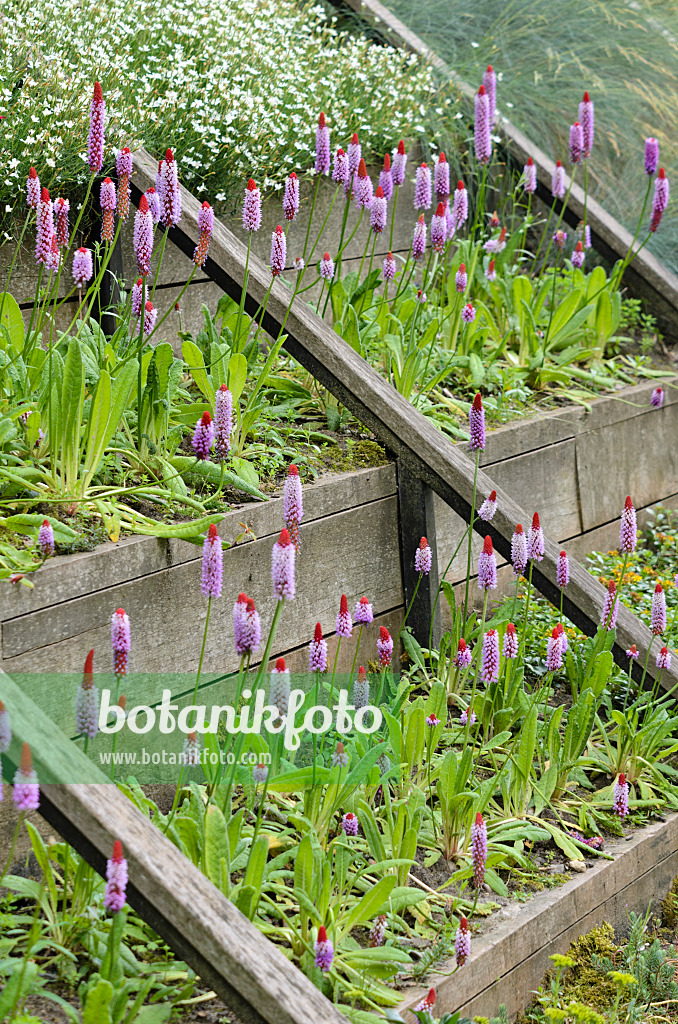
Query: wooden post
point(416, 519)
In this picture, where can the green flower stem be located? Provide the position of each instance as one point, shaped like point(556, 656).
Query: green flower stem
point(470, 533)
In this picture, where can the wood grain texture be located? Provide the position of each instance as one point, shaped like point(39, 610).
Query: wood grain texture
point(173, 896)
point(646, 275)
point(399, 427)
point(509, 960)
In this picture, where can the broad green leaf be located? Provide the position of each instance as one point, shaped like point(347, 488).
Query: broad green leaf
point(196, 367)
point(367, 906)
point(237, 375)
point(11, 321)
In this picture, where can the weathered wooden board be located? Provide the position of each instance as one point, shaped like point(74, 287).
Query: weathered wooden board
point(508, 961)
point(402, 429)
point(204, 928)
point(646, 275)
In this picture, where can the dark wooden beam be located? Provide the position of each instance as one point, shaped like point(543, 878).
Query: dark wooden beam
point(253, 977)
point(415, 440)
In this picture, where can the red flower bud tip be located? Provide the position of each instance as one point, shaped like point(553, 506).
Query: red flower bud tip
point(143, 205)
point(421, 218)
point(661, 173)
point(26, 759)
point(462, 270)
point(361, 672)
point(251, 185)
point(384, 633)
point(98, 94)
point(502, 235)
point(278, 229)
point(120, 611)
point(519, 528)
point(487, 546)
point(612, 586)
point(493, 495)
point(89, 666)
point(32, 173)
point(322, 934)
point(321, 120)
point(558, 163)
point(318, 632)
point(2, 707)
point(117, 851)
point(354, 138)
point(477, 402)
point(535, 521)
point(206, 419)
point(587, 98)
point(387, 162)
point(440, 212)
point(390, 256)
point(169, 156)
point(401, 148)
point(293, 470)
point(481, 90)
point(107, 181)
point(441, 158)
point(491, 267)
point(122, 701)
point(423, 543)
point(628, 503)
point(380, 192)
point(530, 161)
point(44, 195)
point(284, 538)
point(362, 169)
point(479, 818)
point(250, 606)
point(431, 997)
point(242, 598)
point(489, 68)
point(659, 589)
point(579, 247)
point(424, 164)
point(280, 665)
point(343, 605)
point(212, 532)
point(340, 747)
point(622, 778)
point(460, 186)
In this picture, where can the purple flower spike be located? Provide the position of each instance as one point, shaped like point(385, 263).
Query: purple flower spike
point(554, 652)
point(651, 155)
point(530, 176)
point(664, 659)
point(362, 185)
point(476, 423)
point(478, 850)
point(354, 155)
point(26, 789)
point(282, 567)
point(487, 567)
point(658, 613)
point(399, 164)
point(578, 256)
point(461, 278)
point(223, 423)
point(116, 880)
point(610, 607)
point(519, 551)
point(586, 119)
point(317, 651)
point(560, 237)
point(246, 625)
point(464, 655)
point(563, 570)
point(377, 932)
point(450, 226)
point(558, 189)
point(61, 209)
point(108, 200)
point(423, 557)
point(462, 943)
point(633, 652)
point(83, 268)
point(291, 196)
point(212, 564)
point(438, 229)
point(323, 951)
point(426, 1004)
point(259, 773)
point(327, 267)
point(628, 527)
point(251, 211)
point(203, 437)
point(279, 692)
point(576, 143)
point(378, 211)
point(491, 273)
point(510, 645)
point(422, 188)
point(123, 167)
point(468, 313)
point(441, 179)
point(384, 647)
point(490, 83)
point(488, 507)
point(5, 729)
point(87, 702)
point(657, 399)
point(460, 205)
point(620, 797)
point(278, 251)
point(587, 236)
point(170, 195)
point(389, 267)
point(535, 540)
point(32, 189)
point(46, 539)
point(121, 642)
point(293, 504)
point(344, 625)
point(386, 178)
point(483, 141)
point(44, 228)
point(661, 198)
point(349, 824)
point(489, 671)
point(206, 227)
point(464, 719)
point(95, 144)
point(361, 690)
point(322, 147)
point(419, 239)
point(153, 204)
point(143, 237)
point(362, 613)
point(340, 168)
